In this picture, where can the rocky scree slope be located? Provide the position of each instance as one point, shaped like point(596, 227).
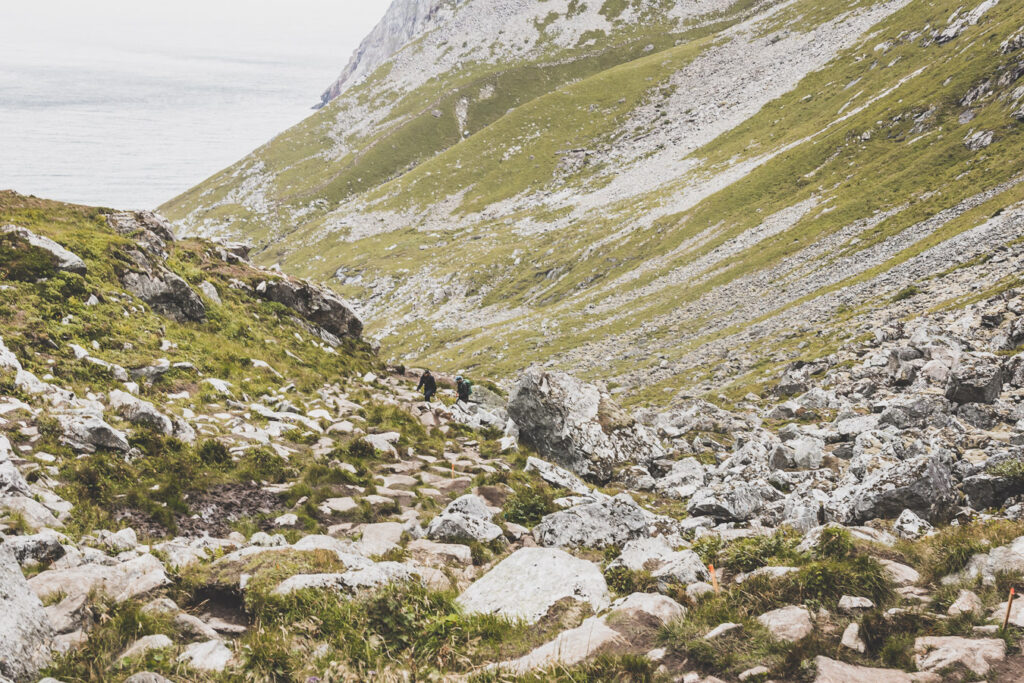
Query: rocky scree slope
point(644, 191)
point(227, 489)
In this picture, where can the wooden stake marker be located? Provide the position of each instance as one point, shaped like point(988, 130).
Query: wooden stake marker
point(714, 577)
point(1009, 604)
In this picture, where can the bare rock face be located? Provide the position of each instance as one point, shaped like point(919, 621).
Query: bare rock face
point(404, 20)
point(61, 257)
point(26, 636)
point(316, 304)
point(574, 424)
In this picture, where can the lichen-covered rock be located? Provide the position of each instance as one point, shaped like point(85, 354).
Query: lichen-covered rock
point(575, 425)
point(26, 636)
point(732, 502)
point(609, 522)
point(527, 583)
point(465, 519)
point(85, 431)
point(317, 305)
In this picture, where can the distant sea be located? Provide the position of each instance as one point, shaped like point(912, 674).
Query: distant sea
point(132, 129)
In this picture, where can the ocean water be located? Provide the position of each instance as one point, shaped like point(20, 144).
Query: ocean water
point(130, 128)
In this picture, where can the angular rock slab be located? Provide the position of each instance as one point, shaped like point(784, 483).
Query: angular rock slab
point(528, 582)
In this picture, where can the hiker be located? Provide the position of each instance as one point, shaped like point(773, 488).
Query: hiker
point(428, 384)
point(463, 388)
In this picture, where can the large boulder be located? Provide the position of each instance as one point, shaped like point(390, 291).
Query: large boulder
point(26, 636)
point(976, 378)
point(576, 425)
point(923, 484)
point(609, 522)
point(59, 257)
point(528, 583)
point(1006, 559)
point(319, 306)
point(943, 653)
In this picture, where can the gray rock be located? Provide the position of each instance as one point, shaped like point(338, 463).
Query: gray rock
point(609, 522)
point(26, 636)
point(373, 576)
point(976, 378)
point(683, 480)
point(557, 476)
point(211, 656)
point(833, 671)
point(788, 623)
point(140, 412)
point(910, 526)
point(42, 547)
point(666, 565)
point(465, 519)
point(527, 583)
point(1006, 559)
point(736, 502)
point(578, 427)
point(87, 432)
point(146, 677)
point(923, 484)
point(62, 258)
point(166, 292)
point(210, 291)
point(941, 653)
point(317, 305)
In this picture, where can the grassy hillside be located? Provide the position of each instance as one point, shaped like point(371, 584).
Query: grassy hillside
point(619, 207)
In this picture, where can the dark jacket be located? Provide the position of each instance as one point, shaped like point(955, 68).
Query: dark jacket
point(427, 383)
point(464, 390)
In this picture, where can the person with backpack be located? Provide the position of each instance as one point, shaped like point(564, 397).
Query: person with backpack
point(463, 389)
point(428, 384)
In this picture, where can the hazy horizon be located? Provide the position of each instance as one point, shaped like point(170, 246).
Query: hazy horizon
point(124, 104)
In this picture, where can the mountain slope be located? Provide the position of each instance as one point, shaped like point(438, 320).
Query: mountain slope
point(647, 194)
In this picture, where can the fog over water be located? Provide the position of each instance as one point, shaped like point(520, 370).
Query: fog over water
point(125, 104)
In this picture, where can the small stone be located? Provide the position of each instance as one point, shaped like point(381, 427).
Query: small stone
point(721, 630)
point(852, 640)
point(788, 623)
point(753, 674)
point(851, 604)
point(966, 603)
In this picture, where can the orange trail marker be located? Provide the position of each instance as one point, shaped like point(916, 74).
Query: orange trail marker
point(714, 577)
point(1009, 604)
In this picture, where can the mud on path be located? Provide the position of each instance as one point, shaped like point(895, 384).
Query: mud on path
point(210, 512)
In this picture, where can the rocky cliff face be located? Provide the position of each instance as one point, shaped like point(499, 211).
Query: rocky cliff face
point(404, 21)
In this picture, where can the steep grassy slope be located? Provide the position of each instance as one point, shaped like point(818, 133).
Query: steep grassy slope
point(666, 198)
